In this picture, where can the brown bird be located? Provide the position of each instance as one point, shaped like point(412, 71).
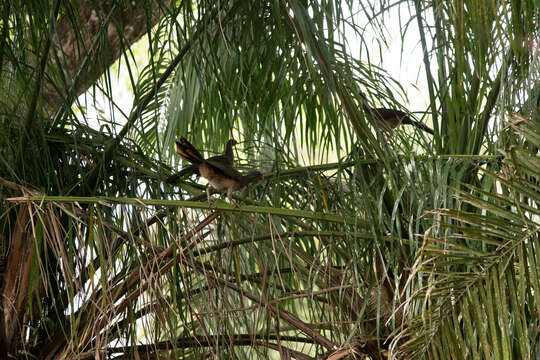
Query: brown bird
point(391, 118)
point(227, 159)
point(219, 172)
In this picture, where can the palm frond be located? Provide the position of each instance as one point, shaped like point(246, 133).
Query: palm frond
point(478, 283)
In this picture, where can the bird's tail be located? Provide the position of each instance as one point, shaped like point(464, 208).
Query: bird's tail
point(408, 121)
point(421, 126)
point(188, 152)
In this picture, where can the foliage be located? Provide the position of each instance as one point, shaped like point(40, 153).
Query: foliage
point(409, 246)
point(481, 274)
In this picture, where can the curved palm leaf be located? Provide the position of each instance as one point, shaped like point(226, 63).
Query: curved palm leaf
point(481, 279)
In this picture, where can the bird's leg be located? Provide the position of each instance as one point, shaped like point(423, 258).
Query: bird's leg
point(229, 196)
point(208, 188)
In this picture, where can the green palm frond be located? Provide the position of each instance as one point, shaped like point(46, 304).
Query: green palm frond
point(358, 241)
point(478, 283)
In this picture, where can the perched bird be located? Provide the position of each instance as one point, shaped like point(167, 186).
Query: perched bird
point(391, 118)
point(227, 159)
point(218, 170)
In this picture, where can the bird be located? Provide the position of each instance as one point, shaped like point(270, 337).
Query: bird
point(389, 119)
point(227, 158)
point(218, 170)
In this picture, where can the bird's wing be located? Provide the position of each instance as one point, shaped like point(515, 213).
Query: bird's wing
point(221, 159)
point(224, 168)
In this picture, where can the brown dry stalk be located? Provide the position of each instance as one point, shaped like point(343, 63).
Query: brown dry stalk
point(102, 319)
point(282, 314)
point(15, 280)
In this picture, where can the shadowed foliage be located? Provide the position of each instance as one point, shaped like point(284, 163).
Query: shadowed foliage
point(412, 244)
